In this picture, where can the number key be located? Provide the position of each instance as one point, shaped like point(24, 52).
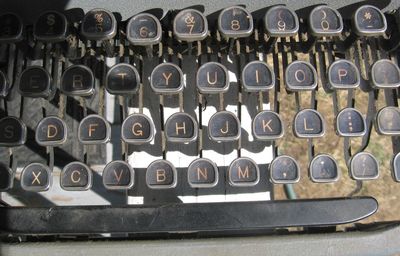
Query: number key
point(325, 21)
point(280, 21)
point(11, 28)
point(234, 22)
point(51, 26)
point(190, 25)
point(369, 21)
point(99, 24)
point(144, 29)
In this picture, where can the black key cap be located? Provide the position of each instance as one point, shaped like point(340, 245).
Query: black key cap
point(94, 129)
point(202, 173)
point(235, 22)
point(325, 21)
point(11, 28)
point(212, 77)
point(190, 25)
point(280, 21)
point(36, 177)
point(364, 166)
point(324, 168)
point(144, 29)
point(300, 76)
point(284, 169)
point(77, 80)
point(161, 174)
point(118, 175)
point(166, 78)
point(308, 123)
point(267, 125)
point(181, 127)
point(350, 123)
point(51, 26)
point(122, 79)
point(385, 74)
point(51, 131)
point(257, 76)
point(243, 172)
point(343, 74)
point(224, 126)
point(369, 21)
point(99, 24)
point(395, 164)
point(6, 177)
point(12, 132)
point(137, 129)
point(4, 85)
point(35, 82)
point(387, 121)
point(76, 176)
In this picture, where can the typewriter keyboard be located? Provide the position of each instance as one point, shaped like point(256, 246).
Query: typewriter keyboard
point(186, 121)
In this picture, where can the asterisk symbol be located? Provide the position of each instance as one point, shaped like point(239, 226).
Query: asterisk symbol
point(367, 15)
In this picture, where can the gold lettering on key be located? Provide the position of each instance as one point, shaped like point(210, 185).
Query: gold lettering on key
point(122, 75)
point(299, 75)
point(34, 82)
point(77, 81)
point(160, 175)
point(306, 127)
point(226, 130)
point(167, 77)
point(243, 174)
point(52, 131)
point(281, 23)
point(324, 22)
point(342, 73)
point(144, 32)
point(75, 176)
point(350, 123)
point(118, 176)
point(92, 129)
point(36, 178)
point(99, 21)
point(203, 173)
point(266, 125)
point(257, 77)
point(9, 131)
point(137, 131)
point(215, 78)
point(182, 127)
point(190, 22)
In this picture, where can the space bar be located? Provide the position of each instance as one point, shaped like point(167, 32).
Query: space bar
point(175, 218)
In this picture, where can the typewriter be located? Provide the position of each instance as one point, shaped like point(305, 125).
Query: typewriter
point(196, 127)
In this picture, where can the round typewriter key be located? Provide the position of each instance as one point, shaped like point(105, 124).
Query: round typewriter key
point(137, 129)
point(51, 131)
point(350, 123)
point(35, 82)
point(369, 21)
point(94, 129)
point(300, 76)
point(77, 80)
point(6, 177)
point(161, 174)
point(190, 25)
point(280, 21)
point(11, 28)
point(212, 77)
point(234, 22)
point(325, 21)
point(364, 166)
point(385, 74)
point(395, 163)
point(202, 173)
point(224, 126)
point(343, 74)
point(257, 76)
point(323, 168)
point(76, 176)
point(243, 172)
point(388, 121)
point(122, 79)
point(4, 85)
point(13, 132)
point(118, 175)
point(99, 24)
point(284, 169)
point(144, 29)
point(51, 26)
point(36, 177)
point(166, 78)
point(181, 127)
point(308, 123)
point(267, 125)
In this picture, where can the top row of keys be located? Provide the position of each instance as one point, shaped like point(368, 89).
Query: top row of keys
point(191, 25)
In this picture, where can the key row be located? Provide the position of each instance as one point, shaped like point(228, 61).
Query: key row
point(191, 25)
point(182, 127)
point(212, 77)
point(201, 173)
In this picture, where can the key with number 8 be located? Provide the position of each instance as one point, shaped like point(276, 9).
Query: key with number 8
point(235, 22)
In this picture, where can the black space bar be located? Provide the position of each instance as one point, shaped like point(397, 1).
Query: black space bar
point(185, 217)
